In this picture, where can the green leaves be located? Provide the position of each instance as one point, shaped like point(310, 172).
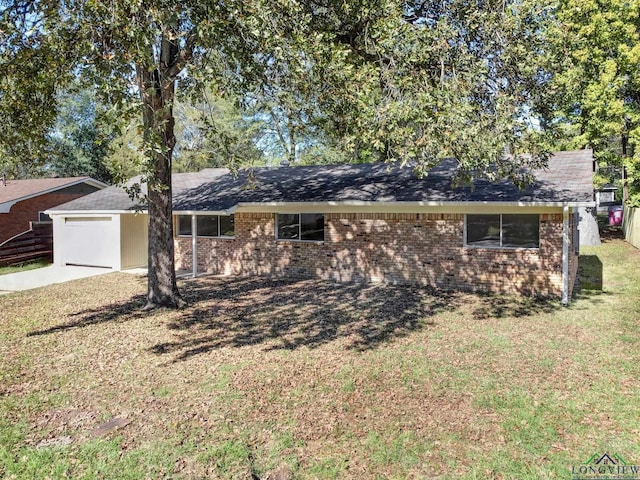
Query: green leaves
point(597, 51)
point(373, 79)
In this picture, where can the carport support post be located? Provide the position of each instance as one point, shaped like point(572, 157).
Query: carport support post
point(565, 255)
point(194, 246)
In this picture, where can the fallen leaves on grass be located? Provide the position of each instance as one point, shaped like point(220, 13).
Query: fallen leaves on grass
point(261, 379)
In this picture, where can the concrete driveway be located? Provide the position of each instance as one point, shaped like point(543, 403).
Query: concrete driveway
point(40, 277)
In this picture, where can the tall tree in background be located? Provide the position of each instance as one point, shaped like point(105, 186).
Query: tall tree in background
point(210, 132)
point(27, 93)
point(214, 132)
point(285, 97)
point(597, 59)
point(394, 80)
point(79, 142)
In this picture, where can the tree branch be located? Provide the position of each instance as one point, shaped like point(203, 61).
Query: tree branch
point(183, 58)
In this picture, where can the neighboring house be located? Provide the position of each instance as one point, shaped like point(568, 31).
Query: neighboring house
point(369, 223)
point(605, 197)
point(25, 201)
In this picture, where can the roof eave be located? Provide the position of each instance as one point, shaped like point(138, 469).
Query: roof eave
point(347, 203)
point(92, 212)
point(360, 203)
point(205, 212)
point(6, 206)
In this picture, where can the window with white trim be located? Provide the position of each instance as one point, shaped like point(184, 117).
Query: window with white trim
point(206, 226)
point(183, 226)
point(502, 231)
point(300, 226)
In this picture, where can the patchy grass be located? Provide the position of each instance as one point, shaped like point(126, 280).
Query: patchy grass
point(23, 267)
point(268, 379)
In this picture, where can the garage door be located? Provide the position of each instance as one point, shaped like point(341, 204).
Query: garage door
point(88, 241)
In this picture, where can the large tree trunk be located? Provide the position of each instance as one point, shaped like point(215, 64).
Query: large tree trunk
point(162, 289)
point(157, 91)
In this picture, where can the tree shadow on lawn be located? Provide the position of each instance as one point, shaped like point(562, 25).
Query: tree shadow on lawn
point(287, 315)
point(588, 287)
point(505, 306)
point(292, 314)
point(117, 312)
point(281, 314)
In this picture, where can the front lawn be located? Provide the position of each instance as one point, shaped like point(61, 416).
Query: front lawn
point(262, 379)
point(23, 267)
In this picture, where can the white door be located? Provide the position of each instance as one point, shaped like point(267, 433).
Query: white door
point(89, 241)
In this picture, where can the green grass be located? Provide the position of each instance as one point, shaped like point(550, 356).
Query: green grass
point(318, 381)
point(92, 459)
point(23, 267)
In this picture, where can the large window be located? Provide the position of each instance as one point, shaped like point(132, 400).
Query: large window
point(207, 226)
point(300, 226)
point(508, 231)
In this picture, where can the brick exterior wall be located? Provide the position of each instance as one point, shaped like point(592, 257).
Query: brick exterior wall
point(18, 218)
point(422, 249)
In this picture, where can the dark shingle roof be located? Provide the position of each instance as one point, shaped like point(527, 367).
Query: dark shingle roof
point(567, 179)
point(117, 199)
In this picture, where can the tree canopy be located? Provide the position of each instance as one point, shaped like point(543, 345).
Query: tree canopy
point(79, 141)
point(596, 49)
point(382, 79)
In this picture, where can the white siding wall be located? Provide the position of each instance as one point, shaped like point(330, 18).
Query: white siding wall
point(134, 240)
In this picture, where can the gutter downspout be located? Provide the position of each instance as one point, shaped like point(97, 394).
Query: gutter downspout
point(565, 255)
point(194, 246)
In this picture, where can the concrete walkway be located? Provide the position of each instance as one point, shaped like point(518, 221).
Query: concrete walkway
point(40, 277)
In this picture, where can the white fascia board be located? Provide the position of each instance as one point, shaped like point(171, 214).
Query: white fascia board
point(6, 206)
point(93, 182)
point(208, 212)
point(89, 213)
point(402, 206)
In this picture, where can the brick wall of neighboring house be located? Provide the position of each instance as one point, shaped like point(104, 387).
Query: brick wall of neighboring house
point(18, 218)
point(423, 249)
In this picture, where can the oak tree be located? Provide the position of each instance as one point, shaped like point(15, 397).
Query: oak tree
point(407, 81)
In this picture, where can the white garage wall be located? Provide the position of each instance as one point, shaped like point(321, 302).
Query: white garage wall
point(57, 222)
point(74, 239)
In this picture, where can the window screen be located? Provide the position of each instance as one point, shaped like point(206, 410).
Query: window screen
point(184, 225)
point(312, 226)
point(506, 230)
point(300, 226)
point(521, 231)
point(483, 230)
point(227, 226)
point(207, 225)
